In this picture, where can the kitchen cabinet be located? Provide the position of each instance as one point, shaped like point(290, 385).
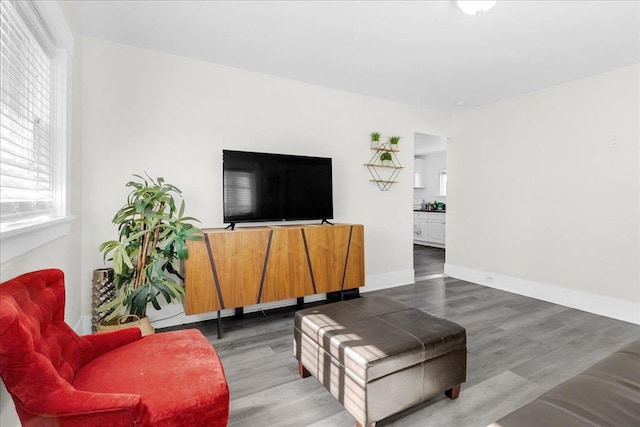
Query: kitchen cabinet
point(429, 228)
point(419, 220)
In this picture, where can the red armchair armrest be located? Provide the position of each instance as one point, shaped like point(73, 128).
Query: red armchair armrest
point(107, 341)
point(69, 407)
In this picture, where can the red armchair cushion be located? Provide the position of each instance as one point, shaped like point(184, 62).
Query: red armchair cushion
point(191, 378)
point(57, 378)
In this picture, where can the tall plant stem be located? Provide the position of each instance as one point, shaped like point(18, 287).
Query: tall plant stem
point(142, 257)
point(156, 233)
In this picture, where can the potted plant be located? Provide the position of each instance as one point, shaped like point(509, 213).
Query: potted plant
point(152, 238)
point(393, 140)
point(386, 158)
point(375, 139)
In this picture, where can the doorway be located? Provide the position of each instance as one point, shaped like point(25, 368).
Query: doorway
point(429, 205)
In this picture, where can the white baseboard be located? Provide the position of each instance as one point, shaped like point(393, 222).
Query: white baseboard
point(614, 308)
point(173, 314)
point(377, 282)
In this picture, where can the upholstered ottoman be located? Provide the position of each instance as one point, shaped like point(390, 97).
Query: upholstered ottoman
point(378, 356)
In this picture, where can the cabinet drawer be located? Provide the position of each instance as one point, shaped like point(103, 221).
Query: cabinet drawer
point(436, 217)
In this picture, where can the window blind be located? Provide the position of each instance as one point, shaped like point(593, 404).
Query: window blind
point(26, 117)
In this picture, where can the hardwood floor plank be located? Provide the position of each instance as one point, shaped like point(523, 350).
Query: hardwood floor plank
point(298, 403)
point(477, 406)
point(341, 419)
point(259, 381)
point(565, 361)
point(534, 313)
point(249, 356)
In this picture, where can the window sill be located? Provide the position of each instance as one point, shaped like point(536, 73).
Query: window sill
point(18, 241)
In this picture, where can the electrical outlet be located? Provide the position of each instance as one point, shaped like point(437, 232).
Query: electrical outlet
point(489, 279)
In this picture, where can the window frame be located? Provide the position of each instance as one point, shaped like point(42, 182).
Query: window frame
point(23, 236)
point(443, 185)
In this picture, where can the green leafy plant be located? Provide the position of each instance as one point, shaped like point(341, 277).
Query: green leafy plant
point(375, 136)
point(394, 139)
point(385, 156)
point(153, 233)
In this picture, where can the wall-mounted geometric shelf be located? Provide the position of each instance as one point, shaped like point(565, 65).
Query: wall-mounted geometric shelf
point(384, 173)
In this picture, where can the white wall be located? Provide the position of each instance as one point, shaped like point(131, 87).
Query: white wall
point(544, 195)
point(172, 116)
point(431, 166)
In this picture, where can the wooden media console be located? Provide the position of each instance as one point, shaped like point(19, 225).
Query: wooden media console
point(253, 265)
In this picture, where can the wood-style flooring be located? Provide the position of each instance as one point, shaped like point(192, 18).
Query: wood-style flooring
point(518, 348)
point(427, 261)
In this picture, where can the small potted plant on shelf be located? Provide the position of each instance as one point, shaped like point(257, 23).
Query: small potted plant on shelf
point(393, 141)
point(385, 158)
point(375, 139)
point(152, 238)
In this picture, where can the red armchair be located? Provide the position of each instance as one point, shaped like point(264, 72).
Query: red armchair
point(58, 378)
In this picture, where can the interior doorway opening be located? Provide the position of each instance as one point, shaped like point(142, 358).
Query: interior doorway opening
point(429, 206)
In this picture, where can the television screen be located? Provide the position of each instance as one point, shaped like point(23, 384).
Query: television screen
point(276, 187)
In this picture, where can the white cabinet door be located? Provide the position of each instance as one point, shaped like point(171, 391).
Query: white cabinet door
point(429, 228)
point(417, 233)
point(419, 229)
point(424, 227)
point(435, 232)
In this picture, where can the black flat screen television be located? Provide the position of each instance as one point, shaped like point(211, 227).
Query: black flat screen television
point(276, 187)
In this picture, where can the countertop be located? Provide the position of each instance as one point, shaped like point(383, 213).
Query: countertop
point(435, 211)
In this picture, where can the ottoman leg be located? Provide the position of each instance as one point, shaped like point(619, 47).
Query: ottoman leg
point(303, 371)
point(453, 392)
point(363, 425)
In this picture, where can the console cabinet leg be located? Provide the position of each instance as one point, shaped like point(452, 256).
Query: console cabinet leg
point(453, 392)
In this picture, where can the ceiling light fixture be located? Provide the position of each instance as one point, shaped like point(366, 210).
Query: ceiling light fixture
point(475, 7)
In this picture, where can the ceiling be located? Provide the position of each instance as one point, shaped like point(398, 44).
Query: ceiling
point(428, 144)
point(424, 53)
